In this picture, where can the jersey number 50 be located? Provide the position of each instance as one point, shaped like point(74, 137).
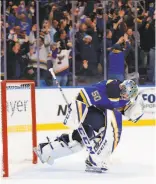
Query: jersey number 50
point(96, 96)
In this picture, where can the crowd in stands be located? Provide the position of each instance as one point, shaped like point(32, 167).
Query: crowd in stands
point(56, 47)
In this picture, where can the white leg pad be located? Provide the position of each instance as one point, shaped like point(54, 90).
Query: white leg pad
point(57, 150)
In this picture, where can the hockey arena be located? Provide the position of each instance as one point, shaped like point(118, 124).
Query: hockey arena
point(77, 92)
point(132, 161)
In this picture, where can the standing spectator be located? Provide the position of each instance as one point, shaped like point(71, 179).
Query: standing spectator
point(89, 8)
point(32, 35)
point(32, 11)
point(53, 29)
point(43, 9)
point(25, 23)
point(116, 68)
point(12, 20)
point(17, 33)
point(109, 46)
point(42, 58)
point(61, 65)
point(147, 39)
point(16, 63)
point(89, 58)
point(80, 35)
point(120, 28)
point(63, 40)
point(21, 8)
point(63, 26)
point(99, 20)
point(46, 31)
point(109, 43)
point(130, 60)
point(151, 70)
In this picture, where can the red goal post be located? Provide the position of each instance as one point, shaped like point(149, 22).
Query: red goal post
point(15, 84)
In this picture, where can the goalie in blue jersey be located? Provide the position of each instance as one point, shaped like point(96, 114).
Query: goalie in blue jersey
point(99, 108)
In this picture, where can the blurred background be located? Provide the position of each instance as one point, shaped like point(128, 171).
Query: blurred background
point(84, 41)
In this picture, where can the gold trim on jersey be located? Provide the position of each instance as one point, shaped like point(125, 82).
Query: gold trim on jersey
point(114, 99)
point(80, 110)
point(84, 97)
point(127, 106)
point(120, 109)
point(109, 81)
point(115, 130)
point(115, 51)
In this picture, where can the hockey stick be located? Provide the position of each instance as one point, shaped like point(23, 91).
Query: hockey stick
point(80, 129)
point(58, 85)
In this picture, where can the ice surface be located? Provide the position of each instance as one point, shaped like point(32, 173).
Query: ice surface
point(132, 162)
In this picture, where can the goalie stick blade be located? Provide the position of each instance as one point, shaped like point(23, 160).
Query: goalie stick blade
point(95, 169)
point(38, 153)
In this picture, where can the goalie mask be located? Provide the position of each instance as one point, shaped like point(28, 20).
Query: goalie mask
point(129, 89)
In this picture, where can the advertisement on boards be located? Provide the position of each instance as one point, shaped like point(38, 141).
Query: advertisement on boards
point(149, 99)
point(51, 107)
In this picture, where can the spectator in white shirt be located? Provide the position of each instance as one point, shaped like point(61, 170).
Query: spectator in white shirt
point(32, 35)
point(33, 56)
point(61, 65)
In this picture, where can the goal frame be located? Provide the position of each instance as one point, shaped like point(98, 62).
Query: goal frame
point(4, 118)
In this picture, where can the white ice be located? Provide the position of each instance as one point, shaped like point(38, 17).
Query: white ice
point(132, 162)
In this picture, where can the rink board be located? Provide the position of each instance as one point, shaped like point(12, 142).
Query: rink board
point(51, 108)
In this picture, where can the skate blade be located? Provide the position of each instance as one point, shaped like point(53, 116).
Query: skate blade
point(95, 169)
point(37, 152)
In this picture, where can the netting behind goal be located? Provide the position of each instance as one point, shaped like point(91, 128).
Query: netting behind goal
point(18, 125)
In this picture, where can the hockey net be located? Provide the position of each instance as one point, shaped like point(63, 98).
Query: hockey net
point(18, 125)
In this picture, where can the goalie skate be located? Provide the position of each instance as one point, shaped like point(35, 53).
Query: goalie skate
point(92, 168)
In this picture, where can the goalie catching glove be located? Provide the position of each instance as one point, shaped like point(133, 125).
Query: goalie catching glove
point(135, 110)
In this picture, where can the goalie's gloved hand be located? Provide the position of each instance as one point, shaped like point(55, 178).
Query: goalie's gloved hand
point(136, 110)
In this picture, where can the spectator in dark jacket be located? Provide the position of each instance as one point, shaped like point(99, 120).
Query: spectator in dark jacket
point(88, 56)
point(80, 35)
point(147, 38)
point(109, 43)
point(61, 27)
point(16, 63)
point(63, 40)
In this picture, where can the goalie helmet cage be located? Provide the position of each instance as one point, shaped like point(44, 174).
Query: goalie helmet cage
point(15, 84)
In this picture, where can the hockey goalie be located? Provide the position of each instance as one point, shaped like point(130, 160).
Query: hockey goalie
point(96, 120)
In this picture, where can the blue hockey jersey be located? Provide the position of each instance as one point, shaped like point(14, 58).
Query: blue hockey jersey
point(103, 95)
